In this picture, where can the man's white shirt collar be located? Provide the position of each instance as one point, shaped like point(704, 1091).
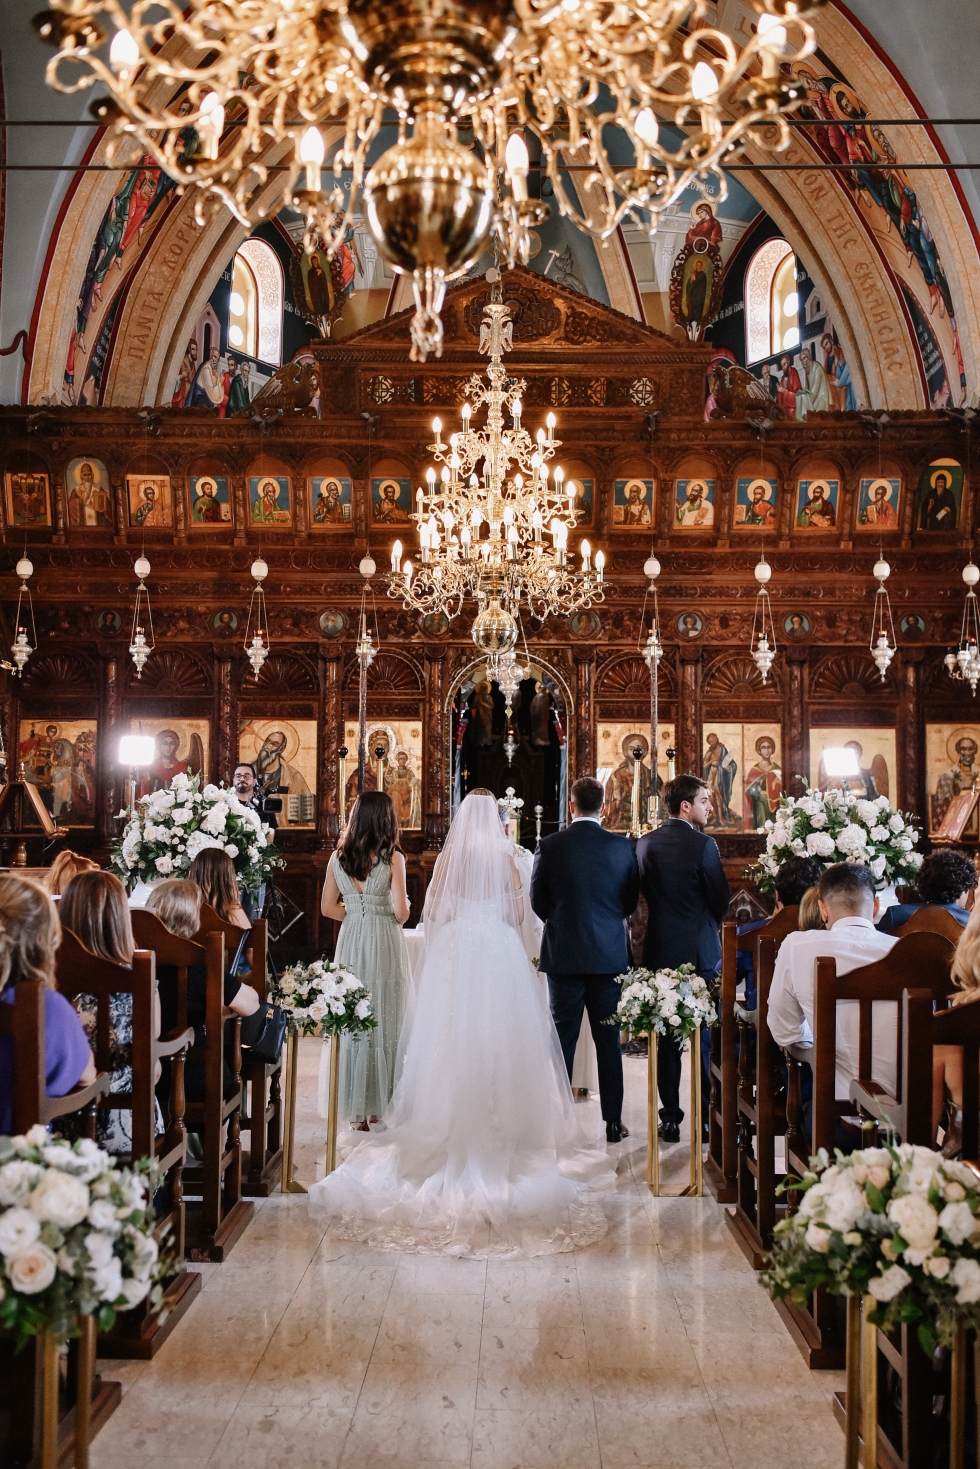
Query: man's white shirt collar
point(852, 923)
point(587, 817)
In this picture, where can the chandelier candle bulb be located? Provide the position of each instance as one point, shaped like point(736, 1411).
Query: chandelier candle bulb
point(647, 127)
point(396, 556)
point(467, 410)
point(704, 82)
point(211, 125)
point(518, 162)
point(437, 430)
point(600, 564)
point(311, 152)
point(586, 550)
point(515, 412)
point(551, 421)
point(124, 54)
point(408, 573)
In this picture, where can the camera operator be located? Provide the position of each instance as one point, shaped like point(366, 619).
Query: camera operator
point(251, 794)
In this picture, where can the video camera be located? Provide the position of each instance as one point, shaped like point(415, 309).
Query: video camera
point(267, 805)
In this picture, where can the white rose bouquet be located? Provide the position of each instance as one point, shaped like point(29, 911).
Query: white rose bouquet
point(670, 1002)
point(838, 826)
point(76, 1235)
point(323, 999)
point(899, 1223)
point(172, 826)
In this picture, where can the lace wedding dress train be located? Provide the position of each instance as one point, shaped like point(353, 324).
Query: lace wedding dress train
point(482, 1148)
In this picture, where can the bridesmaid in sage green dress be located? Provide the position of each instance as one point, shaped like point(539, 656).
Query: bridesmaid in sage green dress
point(365, 887)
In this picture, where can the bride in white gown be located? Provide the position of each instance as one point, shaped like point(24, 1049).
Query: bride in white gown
point(482, 1146)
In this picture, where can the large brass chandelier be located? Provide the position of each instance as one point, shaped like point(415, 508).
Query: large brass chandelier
point(494, 524)
point(217, 90)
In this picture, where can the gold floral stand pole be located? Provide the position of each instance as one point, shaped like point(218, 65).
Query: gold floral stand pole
point(83, 1393)
point(332, 1104)
point(957, 1399)
point(869, 1379)
point(695, 1188)
point(50, 1353)
point(291, 1185)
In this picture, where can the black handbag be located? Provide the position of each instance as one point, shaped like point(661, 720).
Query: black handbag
point(264, 1032)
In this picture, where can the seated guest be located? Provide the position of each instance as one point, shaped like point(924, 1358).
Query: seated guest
point(947, 1061)
point(810, 915)
point(848, 906)
point(793, 877)
point(214, 873)
point(65, 866)
point(93, 906)
point(29, 937)
point(946, 879)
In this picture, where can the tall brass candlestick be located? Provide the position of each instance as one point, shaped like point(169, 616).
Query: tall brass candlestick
point(636, 825)
point(342, 792)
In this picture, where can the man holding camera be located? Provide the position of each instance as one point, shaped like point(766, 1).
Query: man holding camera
point(252, 795)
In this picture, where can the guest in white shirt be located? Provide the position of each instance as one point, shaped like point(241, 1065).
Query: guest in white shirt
point(849, 907)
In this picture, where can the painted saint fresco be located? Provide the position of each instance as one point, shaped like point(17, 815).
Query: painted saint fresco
point(614, 770)
point(632, 503)
point(282, 753)
point(875, 753)
point(150, 503)
point(181, 748)
point(796, 625)
point(89, 494)
point(401, 744)
point(879, 503)
point(330, 502)
point(268, 496)
point(742, 767)
point(690, 625)
point(28, 499)
point(755, 504)
point(694, 504)
point(210, 502)
point(816, 504)
point(940, 495)
point(59, 758)
point(952, 766)
point(391, 501)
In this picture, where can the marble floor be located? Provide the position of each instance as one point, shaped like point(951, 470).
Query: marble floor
point(656, 1346)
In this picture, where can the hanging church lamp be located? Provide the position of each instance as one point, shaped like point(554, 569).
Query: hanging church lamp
point(21, 648)
point(963, 663)
point(652, 651)
point(882, 627)
point(207, 89)
point(365, 652)
point(140, 647)
point(257, 651)
point(763, 628)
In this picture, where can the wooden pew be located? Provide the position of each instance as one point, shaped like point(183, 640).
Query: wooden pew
point(141, 1332)
point(720, 1166)
point(217, 1222)
point(931, 919)
point(760, 1117)
point(920, 959)
point(262, 1114)
point(21, 1372)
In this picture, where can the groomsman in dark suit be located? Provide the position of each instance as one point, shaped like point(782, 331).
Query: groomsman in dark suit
point(687, 895)
point(585, 885)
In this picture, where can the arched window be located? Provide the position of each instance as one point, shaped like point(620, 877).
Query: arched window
point(772, 322)
point(255, 313)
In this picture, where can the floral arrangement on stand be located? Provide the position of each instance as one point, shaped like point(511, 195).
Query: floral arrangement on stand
point(76, 1235)
point(322, 999)
point(901, 1224)
point(671, 1002)
point(171, 826)
point(838, 826)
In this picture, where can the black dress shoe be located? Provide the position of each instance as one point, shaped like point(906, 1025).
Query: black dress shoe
point(669, 1132)
point(615, 1132)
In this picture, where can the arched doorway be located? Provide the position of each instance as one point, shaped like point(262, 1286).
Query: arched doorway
point(529, 752)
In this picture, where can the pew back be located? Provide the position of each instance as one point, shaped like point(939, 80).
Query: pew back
point(931, 919)
point(23, 1019)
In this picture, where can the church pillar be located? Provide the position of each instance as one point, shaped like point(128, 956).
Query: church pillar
point(111, 795)
point(688, 735)
point(331, 738)
point(584, 698)
point(225, 756)
point(435, 754)
point(795, 761)
point(910, 737)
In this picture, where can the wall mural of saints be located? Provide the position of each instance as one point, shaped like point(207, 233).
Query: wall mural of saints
point(282, 753)
point(210, 501)
point(632, 503)
point(742, 767)
point(694, 504)
point(59, 758)
point(28, 499)
point(401, 744)
point(322, 286)
point(391, 501)
point(615, 764)
point(150, 503)
point(816, 504)
point(952, 766)
point(874, 750)
point(755, 504)
point(268, 496)
point(89, 494)
point(940, 495)
point(330, 502)
point(879, 503)
point(696, 277)
point(181, 749)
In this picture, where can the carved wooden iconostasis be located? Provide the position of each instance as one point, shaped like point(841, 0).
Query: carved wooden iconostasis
point(87, 489)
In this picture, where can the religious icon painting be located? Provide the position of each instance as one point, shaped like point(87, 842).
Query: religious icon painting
point(225, 621)
point(755, 504)
point(150, 503)
point(210, 502)
point(391, 501)
point(331, 623)
point(89, 494)
point(268, 498)
point(694, 504)
point(874, 753)
point(181, 747)
point(879, 503)
point(633, 504)
point(108, 620)
point(282, 752)
point(584, 492)
point(585, 624)
point(816, 504)
point(742, 767)
point(28, 499)
point(690, 625)
point(59, 758)
point(940, 495)
point(330, 503)
point(796, 625)
point(400, 765)
point(952, 766)
point(913, 626)
point(615, 764)
point(436, 624)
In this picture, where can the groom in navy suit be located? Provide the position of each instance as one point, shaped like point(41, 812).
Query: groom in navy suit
point(585, 884)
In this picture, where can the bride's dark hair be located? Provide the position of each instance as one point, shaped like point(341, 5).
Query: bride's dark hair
point(371, 834)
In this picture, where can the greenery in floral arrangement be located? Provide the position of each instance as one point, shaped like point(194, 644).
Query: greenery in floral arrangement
point(323, 999)
point(670, 1002)
point(171, 826)
point(76, 1235)
point(899, 1223)
point(838, 826)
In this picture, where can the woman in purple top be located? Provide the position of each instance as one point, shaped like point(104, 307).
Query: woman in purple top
point(29, 937)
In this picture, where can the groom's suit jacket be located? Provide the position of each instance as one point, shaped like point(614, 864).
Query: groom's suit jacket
point(585, 884)
point(687, 895)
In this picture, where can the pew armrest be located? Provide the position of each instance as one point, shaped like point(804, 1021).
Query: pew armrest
point(78, 1097)
point(177, 1040)
point(747, 1017)
point(872, 1097)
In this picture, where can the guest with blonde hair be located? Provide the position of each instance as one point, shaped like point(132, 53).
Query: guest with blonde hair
point(947, 1061)
point(65, 866)
point(810, 915)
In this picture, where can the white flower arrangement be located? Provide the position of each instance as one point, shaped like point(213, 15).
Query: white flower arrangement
point(901, 1224)
point(76, 1235)
point(670, 1002)
point(173, 825)
point(838, 826)
point(322, 999)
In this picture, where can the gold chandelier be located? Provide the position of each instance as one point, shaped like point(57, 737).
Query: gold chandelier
point(209, 88)
point(523, 506)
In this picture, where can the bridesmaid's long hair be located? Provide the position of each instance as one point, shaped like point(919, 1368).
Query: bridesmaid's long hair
point(371, 834)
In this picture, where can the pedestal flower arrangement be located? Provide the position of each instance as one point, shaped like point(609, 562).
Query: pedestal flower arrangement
point(170, 827)
point(322, 999)
point(838, 826)
point(668, 1002)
